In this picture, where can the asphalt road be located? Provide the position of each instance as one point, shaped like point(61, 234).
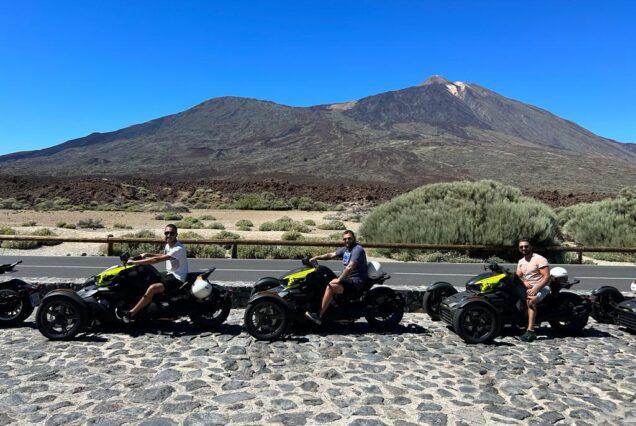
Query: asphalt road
point(403, 274)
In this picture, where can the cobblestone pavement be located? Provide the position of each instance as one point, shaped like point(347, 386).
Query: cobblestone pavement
point(171, 373)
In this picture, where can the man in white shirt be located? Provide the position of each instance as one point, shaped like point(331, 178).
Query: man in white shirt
point(174, 254)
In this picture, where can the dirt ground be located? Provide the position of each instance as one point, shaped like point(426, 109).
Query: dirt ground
point(138, 221)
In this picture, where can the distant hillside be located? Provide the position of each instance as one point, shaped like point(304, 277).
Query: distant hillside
point(437, 131)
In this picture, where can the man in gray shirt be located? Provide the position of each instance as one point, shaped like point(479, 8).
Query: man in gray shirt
point(352, 277)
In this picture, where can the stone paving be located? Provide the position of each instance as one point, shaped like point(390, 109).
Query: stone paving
point(171, 373)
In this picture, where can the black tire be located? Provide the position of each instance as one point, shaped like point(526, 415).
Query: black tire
point(213, 319)
point(433, 298)
point(384, 310)
point(580, 315)
point(14, 307)
point(476, 323)
point(266, 319)
point(60, 318)
point(604, 306)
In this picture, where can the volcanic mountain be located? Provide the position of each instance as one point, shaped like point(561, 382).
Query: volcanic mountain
point(436, 131)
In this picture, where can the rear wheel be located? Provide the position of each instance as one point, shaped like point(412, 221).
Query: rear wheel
point(577, 317)
point(214, 317)
point(476, 323)
point(433, 298)
point(384, 310)
point(604, 305)
point(266, 319)
point(60, 318)
point(14, 307)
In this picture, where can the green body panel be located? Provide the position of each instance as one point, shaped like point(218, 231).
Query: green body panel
point(294, 280)
point(106, 277)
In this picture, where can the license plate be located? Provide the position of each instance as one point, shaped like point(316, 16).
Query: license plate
point(35, 299)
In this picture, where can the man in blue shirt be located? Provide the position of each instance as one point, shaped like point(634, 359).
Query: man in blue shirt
point(352, 278)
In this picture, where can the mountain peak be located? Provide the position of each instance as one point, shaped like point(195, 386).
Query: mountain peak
point(434, 79)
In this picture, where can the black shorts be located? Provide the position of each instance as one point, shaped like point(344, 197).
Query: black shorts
point(170, 282)
point(352, 286)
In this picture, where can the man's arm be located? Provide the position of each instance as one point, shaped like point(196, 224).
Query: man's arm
point(326, 256)
point(347, 270)
point(151, 260)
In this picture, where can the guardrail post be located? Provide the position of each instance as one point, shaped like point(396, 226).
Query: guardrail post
point(234, 251)
point(580, 257)
point(109, 245)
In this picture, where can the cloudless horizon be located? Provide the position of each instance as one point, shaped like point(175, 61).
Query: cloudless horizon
point(71, 68)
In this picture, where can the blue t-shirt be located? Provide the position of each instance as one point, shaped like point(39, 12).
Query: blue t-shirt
point(356, 254)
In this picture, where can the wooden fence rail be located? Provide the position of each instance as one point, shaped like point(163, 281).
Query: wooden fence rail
point(234, 243)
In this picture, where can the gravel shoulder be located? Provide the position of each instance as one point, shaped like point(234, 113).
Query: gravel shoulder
point(171, 373)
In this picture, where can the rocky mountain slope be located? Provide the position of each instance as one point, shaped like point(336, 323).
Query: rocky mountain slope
point(433, 132)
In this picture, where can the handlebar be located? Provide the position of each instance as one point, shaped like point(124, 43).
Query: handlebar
point(7, 267)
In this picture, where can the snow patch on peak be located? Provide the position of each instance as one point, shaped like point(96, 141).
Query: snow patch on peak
point(457, 88)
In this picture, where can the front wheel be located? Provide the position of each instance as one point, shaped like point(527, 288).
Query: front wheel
point(14, 307)
point(266, 319)
point(213, 317)
point(576, 317)
point(476, 323)
point(384, 310)
point(60, 318)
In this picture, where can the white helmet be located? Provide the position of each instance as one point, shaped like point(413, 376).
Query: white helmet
point(374, 270)
point(201, 288)
point(560, 274)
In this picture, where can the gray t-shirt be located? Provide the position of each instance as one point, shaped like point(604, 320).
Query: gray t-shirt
point(178, 265)
point(356, 254)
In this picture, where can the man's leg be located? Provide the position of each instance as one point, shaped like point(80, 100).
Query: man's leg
point(331, 290)
point(153, 290)
point(532, 312)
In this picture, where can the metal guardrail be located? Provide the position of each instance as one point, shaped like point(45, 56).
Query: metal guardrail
point(234, 243)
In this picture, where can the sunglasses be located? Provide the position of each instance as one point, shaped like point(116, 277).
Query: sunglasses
point(347, 239)
point(523, 247)
point(167, 234)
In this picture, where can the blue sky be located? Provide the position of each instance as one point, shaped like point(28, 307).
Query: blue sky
point(69, 68)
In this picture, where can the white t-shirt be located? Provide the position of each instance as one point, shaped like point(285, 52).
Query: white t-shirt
point(530, 270)
point(178, 265)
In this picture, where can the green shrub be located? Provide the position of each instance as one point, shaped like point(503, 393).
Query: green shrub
point(309, 222)
point(608, 223)
point(335, 236)
point(5, 230)
point(121, 226)
point(207, 217)
point(45, 232)
point(484, 212)
point(201, 250)
point(257, 201)
point(90, 223)
point(227, 235)
point(60, 224)
point(215, 225)
point(168, 216)
point(29, 223)
point(284, 224)
point(138, 248)
point(277, 252)
point(190, 223)
point(306, 203)
point(244, 223)
point(243, 228)
point(12, 204)
point(70, 226)
point(57, 203)
point(21, 245)
point(291, 236)
point(333, 225)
